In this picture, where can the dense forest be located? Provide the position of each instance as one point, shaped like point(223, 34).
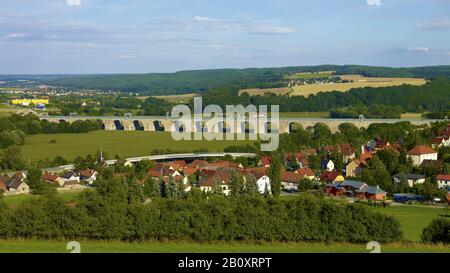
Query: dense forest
point(200, 81)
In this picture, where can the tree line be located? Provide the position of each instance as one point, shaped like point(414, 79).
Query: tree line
point(115, 210)
point(15, 128)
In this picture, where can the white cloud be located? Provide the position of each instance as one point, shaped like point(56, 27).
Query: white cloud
point(73, 2)
point(15, 35)
point(374, 3)
point(125, 56)
point(436, 24)
point(272, 30)
point(419, 49)
point(201, 19)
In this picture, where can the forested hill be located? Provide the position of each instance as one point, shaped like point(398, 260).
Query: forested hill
point(200, 81)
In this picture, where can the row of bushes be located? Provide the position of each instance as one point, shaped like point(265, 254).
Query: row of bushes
point(113, 211)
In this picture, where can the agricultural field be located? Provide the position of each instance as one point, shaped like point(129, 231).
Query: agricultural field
point(260, 92)
point(15, 200)
point(123, 143)
point(34, 246)
point(413, 219)
point(358, 82)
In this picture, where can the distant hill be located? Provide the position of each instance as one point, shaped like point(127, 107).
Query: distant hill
point(200, 81)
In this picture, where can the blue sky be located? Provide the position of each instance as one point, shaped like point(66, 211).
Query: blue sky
point(140, 36)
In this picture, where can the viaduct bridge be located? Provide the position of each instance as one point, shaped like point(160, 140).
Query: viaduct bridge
point(168, 124)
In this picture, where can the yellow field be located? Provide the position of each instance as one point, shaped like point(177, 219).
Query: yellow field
point(258, 91)
point(358, 82)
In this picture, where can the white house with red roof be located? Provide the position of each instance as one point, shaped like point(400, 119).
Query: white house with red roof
point(420, 153)
point(443, 181)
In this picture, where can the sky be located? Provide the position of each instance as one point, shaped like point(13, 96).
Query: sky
point(143, 36)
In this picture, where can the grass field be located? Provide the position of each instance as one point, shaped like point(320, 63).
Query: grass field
point(413, 219)
point(15, 200)
point(123, 143)
point(33, 246)
point(260, 92)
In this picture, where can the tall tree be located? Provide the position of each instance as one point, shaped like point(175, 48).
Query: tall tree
point(275, 174)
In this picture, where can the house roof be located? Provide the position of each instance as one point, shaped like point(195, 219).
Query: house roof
point(154, 173)
point(15, 183)
point(443, 177)
point(372, 190)
point(50, 176)
point(421, 150)
point(354, 184)
point(266, 160)
point(428, 163)
point(324, 162)
point(220, 177)
point(189, 171)
point(197, 163)
point(409, 176)
point(329, 176)
point(69, 175)
point(437, 140)
point(257, 172)
point(87, 173)
point(305, 172)
point(346, 149)
point(291, 177)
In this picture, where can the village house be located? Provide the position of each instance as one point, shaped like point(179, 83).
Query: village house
point(262, 180)
point(354, 168)
point(347, 152)
point(328, 176)
point(411, 178)
point(264, 161)
point(290, 180)
point(432, 164)
point(371, 193)
point(219, 179)
point(71, 177)
point(306, 173)
point(124, 162)
point(356, 189)
point(438, 142)
point(420, 153)
point(443, 181)
point(17, 186)
point(53, 179)
point(327, 164)
point(88, 175)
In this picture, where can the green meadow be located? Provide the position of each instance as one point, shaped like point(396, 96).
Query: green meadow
point(122, 143)
point(33, 246)
point(413, 218)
